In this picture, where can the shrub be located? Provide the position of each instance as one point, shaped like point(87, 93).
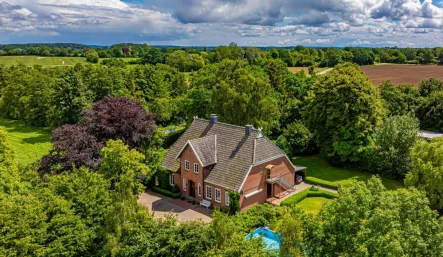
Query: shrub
point(321, 182)
point(234, 202)
point(313, 188)
point(322, 193)
point(295, 198)
point(166, 193)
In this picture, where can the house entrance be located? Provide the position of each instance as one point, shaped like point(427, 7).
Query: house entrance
point(191, 188)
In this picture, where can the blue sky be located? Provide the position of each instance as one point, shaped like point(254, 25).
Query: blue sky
point(404, 23)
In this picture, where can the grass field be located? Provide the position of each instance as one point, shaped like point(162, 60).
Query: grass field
point(29, 143)
point(312, 204)
point(319, 168)
point(40, 60)
point(401, 73)
point(305, 69)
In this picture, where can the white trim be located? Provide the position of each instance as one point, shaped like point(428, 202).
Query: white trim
point(206, 192)
point(193, 150)
point(254, 193)
point(189, 165)
point(171, 179)
point(215, 195)
point(184, 184)
point(244, 180)
point(227, 197)
point(199, 189)
point(196, 164)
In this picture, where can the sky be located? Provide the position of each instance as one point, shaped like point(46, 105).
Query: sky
point(339, 23)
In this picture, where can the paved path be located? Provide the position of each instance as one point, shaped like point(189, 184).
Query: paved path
point(325, 71)
point(325, 188)
point(298, 188)
point(163, 206)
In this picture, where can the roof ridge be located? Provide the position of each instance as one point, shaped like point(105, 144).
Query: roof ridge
point(228, 124)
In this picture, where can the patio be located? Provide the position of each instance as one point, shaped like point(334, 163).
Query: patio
point(163, 206)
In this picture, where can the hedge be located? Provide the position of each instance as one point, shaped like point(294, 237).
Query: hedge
point(166, 192)
point(295, 198)
point(322, 193)
point(321, 182)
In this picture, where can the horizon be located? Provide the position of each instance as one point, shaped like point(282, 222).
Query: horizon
point(186, 23)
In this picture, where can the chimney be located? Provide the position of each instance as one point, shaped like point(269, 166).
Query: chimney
point(248, 129)
point(213, 119)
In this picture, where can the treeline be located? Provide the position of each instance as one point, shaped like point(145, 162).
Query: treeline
point(192, 58)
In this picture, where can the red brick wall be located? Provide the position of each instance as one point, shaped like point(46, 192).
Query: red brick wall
point(215, 204)
point(189, 175)
point(257, 180)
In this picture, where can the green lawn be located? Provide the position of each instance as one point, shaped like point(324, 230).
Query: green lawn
point(29, 143)
point(320, 168)
point(312, 204)
point(41, 60)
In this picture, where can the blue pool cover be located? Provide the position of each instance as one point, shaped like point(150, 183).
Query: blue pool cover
point(271, 239)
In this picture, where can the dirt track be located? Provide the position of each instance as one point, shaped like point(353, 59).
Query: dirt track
point(402, 74)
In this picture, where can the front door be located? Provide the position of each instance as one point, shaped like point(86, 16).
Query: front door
point(191, 188)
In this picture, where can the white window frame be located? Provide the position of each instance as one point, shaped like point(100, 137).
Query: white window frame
point(199, 189)
point(187, 165)
point(184, 184)
point(208, 190)
point(171, 179)
point(227, 198)
point(196, 168)
point(219, 195)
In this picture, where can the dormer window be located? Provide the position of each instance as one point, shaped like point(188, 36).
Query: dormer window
point(195, 168)
point(187, 165)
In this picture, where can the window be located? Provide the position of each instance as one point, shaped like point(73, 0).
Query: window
point(199, 189)
point(171, 180)
point(226, 198)
point(217, 195)
point(195, 168)
point(186, 165)
point(184, 184)
point(208, 192)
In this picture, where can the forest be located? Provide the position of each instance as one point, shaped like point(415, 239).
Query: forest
point(108, 119)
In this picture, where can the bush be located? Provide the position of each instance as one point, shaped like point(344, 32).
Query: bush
point(299, 138)
point(322, 193)
point(296, 198)
point(166, 192)
point(321, 182)
point(314, 188)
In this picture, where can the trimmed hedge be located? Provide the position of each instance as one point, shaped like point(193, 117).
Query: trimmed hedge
point(296, 198)
point(321, 182)
point(166, 192)
point(322, 193)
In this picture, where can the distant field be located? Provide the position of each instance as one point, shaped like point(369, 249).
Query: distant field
point(402, 74)
point(305, 69)
point(41, 60)
point(30, 143)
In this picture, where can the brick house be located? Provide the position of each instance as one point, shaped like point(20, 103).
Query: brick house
point(211, 157)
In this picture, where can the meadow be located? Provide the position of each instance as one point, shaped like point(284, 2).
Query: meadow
point(41, 60)
point(29, 143)
point(401, 74)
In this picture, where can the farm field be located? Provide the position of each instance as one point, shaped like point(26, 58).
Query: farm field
point(41, 60)
point(305, 69)
point(30, 143)
point(312, 204)
point(402, 74)
point(320, 168)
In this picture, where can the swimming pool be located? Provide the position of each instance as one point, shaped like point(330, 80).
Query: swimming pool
point(271, 239)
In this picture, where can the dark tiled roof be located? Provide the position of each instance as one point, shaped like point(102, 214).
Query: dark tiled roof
point(205, 149)
point(235, 153)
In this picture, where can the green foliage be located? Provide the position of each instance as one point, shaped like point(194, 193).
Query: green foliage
point(427, 87)
point(393, 139)
point(92, 56)
point(166, 192)
point(399, 100)
point(342, 113)
point(321, 182)
point(322, 193)
point(300, 140)
point(430, 113)
point(290, 229)
point(427, 170)
point(367, 220)
point(234, 202)
point(290, 201)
